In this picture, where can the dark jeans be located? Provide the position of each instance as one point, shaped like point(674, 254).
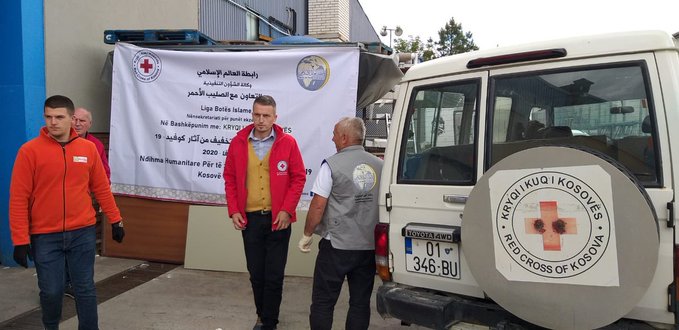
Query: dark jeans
point(50, 253)
point(95, 206)
point(332, 265)
point(266, 252)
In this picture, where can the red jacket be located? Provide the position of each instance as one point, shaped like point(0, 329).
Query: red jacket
point(102, 153)
point(51, 184)
point(286, 172)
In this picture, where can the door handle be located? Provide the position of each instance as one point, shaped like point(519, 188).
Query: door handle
point(456, 199)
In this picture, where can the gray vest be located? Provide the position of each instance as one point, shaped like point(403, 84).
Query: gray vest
point(352, 213)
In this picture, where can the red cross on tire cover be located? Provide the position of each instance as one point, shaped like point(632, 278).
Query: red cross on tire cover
point(561, 237)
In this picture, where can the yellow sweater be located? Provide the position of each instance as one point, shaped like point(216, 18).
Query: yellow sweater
point(257, 182)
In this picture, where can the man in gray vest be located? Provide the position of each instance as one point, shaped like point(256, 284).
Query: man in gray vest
point(344, 213)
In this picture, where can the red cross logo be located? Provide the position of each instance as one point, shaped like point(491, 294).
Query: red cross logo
point(550, 226)
point(146, 65)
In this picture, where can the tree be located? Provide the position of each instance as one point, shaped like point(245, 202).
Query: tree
point(453, 40)
point(412, 45)
point(425, 51)
point(429, 52)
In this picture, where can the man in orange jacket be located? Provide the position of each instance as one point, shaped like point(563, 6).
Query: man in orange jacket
point(51, 216)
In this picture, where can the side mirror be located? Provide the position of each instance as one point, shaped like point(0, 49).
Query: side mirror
point(623, 110)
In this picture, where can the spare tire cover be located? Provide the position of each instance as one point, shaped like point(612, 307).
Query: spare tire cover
point(561, 237)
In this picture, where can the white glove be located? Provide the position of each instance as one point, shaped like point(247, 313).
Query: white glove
point(304, 244)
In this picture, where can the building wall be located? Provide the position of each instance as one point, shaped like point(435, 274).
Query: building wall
point(361, 29)
point(329, 20)
point(22, 91)
point(226, 20)
point(344, 19)
point(340, 20)
point(75, 50)
point(320, 14)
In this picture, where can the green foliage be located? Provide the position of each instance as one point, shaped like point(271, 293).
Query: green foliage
point(429, 52)
point(424, 51)
point(453, 40)
point(412, 45)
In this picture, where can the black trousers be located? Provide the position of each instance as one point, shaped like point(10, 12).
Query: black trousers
point(266, 253)
point(332, 266)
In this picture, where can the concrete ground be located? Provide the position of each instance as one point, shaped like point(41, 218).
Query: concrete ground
point(181, 299)
point(19, 286)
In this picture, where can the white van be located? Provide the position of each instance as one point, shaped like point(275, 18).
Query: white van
point(534, 186)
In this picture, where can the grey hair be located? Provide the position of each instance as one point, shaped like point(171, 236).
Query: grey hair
point(88, 112)
point(353, 127)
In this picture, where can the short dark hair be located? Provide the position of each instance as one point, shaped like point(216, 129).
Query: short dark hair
point(265, 100)
point(60, 101)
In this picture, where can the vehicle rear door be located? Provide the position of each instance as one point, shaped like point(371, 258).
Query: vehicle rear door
point(435, 165)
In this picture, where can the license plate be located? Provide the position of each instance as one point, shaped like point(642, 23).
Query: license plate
point(433, 258)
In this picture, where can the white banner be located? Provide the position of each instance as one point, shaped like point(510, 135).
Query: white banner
point(174, 113)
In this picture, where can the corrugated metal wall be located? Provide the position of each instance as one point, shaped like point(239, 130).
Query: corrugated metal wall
point(224, 20)
point(361, 29)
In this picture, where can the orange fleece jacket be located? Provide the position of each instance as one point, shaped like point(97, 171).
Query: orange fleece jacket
point(51, 184)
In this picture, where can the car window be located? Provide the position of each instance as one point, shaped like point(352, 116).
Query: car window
point(606, 109)
point(438, 146)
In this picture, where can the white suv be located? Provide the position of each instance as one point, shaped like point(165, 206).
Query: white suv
point(535, 185)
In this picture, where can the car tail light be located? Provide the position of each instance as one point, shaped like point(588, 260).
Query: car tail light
point(382, 251)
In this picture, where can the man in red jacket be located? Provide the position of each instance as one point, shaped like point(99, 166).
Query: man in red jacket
point(82, 121)
point(264, 177)
point(51, 216)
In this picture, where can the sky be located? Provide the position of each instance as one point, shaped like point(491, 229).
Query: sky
point(509, 22)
